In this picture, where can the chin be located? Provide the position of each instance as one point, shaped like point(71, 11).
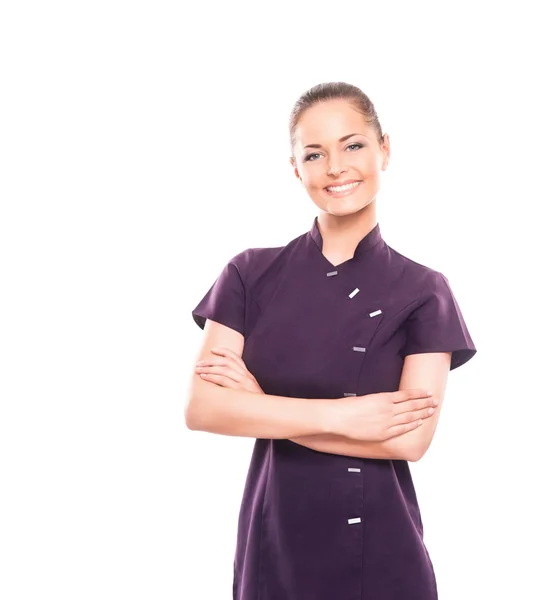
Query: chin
point(342, 211)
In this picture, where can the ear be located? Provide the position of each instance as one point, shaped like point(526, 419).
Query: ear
point(293, 163)
point(385, 161)
point(386, 146)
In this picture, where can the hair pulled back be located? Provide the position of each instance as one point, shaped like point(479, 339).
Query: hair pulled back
point(335, 90)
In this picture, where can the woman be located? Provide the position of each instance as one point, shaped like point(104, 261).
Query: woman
point(333, 352)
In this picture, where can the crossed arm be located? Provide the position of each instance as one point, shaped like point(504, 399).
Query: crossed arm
point(420, 371)
point(249, 416)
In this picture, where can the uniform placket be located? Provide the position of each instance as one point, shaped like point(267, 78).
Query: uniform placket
point(362, 325)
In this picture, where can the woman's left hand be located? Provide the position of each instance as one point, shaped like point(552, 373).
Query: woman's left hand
point(228, 369)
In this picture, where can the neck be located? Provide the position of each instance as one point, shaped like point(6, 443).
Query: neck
point(341, 233)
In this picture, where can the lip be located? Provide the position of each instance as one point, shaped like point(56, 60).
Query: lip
point(344, 193)
point(336, 183)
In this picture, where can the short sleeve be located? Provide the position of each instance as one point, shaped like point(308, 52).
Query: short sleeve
point(224, 302)
point(437, 324)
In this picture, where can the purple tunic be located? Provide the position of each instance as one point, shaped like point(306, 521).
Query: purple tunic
point(314, 525)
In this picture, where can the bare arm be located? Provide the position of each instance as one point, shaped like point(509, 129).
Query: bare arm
point(240, 412)
point(427, 371)
point(235, 412)
point(393, 448)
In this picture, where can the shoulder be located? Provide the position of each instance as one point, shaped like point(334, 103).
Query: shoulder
point(417, 278)
point(255, 262)
point(252, 260)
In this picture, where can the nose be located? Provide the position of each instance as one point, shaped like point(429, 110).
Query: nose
point(335, 167)
point(336, 171)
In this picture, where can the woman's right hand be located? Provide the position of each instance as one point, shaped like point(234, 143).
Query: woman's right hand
point(378, 417)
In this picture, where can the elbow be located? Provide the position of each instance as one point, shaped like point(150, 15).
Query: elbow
point(189, 418)
point(198, 405)
point(192, 417)
point(416, 452)
point(200, 414)
point(413, 456)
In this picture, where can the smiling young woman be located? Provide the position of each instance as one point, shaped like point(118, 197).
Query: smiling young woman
point(338, 154)
point(331, 351)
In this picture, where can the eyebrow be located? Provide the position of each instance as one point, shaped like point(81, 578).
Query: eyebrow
point(342, 139)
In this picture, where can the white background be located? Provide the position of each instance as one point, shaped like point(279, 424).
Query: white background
point(142, 146)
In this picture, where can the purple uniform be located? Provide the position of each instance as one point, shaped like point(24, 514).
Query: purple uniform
point(314, 525)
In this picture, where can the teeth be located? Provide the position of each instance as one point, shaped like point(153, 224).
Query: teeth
point(343, 188)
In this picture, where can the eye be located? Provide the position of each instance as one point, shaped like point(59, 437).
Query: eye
point(309, 156)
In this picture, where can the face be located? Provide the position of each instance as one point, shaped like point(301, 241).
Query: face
point(321, 158)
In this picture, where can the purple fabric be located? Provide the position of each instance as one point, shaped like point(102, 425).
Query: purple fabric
point(301, 328)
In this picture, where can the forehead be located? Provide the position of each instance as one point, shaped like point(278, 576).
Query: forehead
point(328, 121)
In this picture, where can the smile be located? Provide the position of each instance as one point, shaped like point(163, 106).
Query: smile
point(343, 190)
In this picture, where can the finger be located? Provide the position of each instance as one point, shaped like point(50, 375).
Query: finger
point(230, 354)
point(224, 351)
point(412, 405)
point(415, 415)
point(221, 380)
point(405, 395)
point(221, 370)
point(404, 428)
point(224, 361)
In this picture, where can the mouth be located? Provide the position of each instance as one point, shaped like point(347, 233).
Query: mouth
point(337, 191)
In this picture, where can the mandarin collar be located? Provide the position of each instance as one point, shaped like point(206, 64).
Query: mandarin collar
point(370, 240)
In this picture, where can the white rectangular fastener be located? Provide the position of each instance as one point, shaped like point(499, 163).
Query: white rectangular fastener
point(354, 470)
point(331, 273)
point(374, 314)
point(349, 394)
point(356, 520)
point(354, 292)
point(359, 349)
